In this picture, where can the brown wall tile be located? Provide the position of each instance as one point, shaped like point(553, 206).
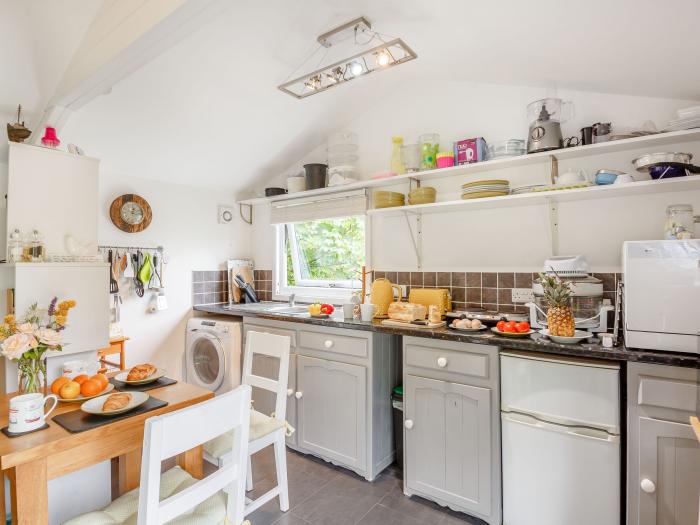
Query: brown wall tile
point(197, 287)
point(489, 295)
point(444, 279)
point(403, 278)
point(459, 279)
point(392, 276)
point(523, 280)
point(459, 295)
point(198, 277)
point(506, 280)
point(474, 279)
point(429, 279)
point(379, 275)
point(505, 296)
point(489, 280)
point(417, 279)
point(474, 295)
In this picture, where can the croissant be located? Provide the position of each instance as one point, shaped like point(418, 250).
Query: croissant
point(140, 372)
point(116, 401)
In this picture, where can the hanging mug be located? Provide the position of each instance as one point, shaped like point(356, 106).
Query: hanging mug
point(27, 412)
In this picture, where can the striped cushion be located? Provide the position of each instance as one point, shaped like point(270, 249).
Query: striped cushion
point(124, 509)
point(260, 425)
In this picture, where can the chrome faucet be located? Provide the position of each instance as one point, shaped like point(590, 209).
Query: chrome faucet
point(291, 300)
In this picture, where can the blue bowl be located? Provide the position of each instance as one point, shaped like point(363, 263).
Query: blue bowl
point(603, 178)
point(666, 171)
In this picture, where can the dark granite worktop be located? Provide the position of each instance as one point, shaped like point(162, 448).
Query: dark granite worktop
point(535, 342)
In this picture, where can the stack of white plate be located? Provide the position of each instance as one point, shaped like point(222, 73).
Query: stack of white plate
point(688, 118)
point(485, 188)
point(342, 158)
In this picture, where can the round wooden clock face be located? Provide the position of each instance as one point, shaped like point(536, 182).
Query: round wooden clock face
point(130, 213)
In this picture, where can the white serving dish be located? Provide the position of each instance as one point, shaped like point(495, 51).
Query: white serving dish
point(121, 377)
point(94, 405)
point(579, 335)
point(82, 398)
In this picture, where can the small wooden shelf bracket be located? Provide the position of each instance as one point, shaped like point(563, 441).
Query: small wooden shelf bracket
point(248, 220)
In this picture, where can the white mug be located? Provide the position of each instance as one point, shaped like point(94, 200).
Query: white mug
point(367, 311)
point(572, 177)
point(27, 412)
point(74, 368)
point(348, 310)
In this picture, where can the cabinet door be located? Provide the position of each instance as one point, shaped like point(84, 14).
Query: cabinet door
point(669, 473)
point(448, 442)
point(291, 400)
point(331, 410)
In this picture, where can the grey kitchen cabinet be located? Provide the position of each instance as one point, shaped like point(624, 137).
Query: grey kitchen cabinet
point(663, 480)
point(331, 410)
point(452, 427)
point(448, 441)
point(339, 401)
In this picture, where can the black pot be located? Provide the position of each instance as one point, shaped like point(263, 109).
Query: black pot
point(271, 192)
point(316, 176)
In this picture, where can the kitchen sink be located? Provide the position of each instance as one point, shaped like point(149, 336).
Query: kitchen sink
point(277, 308)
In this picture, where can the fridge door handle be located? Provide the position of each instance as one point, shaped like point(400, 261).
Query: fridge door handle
point(584, 432)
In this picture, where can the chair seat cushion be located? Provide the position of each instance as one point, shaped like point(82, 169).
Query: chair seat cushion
point(260, 425)
point(124, 509)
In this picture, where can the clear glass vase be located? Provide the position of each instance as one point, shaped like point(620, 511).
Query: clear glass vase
point(31, 375)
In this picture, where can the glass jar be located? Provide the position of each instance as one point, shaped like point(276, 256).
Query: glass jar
point(680, 222)
point(33, 248)
point(14, 247)
point(429, 146)
point(397, 164)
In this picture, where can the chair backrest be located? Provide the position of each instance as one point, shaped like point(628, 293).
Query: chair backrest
point(271, 345)
point(171, 434)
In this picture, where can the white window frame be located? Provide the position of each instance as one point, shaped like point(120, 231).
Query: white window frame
point(309, 294)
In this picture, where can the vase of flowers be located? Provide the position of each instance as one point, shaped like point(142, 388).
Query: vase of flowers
point(26, 340)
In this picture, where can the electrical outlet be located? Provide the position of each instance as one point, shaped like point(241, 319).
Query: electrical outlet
point(522, 295)
point(404, 291)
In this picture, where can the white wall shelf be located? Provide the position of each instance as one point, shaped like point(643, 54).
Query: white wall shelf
point(689, 183)
point(646, 142)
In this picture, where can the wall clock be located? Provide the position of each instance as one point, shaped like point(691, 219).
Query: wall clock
point(130, 213)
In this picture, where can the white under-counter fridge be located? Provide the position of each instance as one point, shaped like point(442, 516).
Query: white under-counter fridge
point(560, 432)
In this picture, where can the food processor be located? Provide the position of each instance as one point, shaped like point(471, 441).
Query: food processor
point(589, 308)
point(545, 116)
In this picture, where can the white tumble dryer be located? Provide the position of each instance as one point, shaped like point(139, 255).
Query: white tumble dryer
point(213, 354)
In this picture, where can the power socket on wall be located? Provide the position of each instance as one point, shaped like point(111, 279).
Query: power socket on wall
point(522, 295)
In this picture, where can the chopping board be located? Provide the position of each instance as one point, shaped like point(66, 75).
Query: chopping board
point(404, 324)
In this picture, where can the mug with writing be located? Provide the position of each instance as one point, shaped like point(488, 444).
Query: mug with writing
point(27, 412)
point(367, 311)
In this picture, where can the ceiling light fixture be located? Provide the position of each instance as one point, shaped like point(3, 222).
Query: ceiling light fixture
point(382, 56)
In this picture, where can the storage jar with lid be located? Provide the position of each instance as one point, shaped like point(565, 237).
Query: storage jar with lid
point(33, 248)
point(411, 157)
point(429, 145)
point(14, 247)
point(680, 222)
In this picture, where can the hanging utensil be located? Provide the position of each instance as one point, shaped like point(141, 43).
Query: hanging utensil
point(124, 264)
point(113, 285)
point(155, 278)
point(146, 269)
point(138, 285)
point(129, 271)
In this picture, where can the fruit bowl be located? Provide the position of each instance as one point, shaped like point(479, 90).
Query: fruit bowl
point(81, 397)
point(578, 336)
point(514, 335)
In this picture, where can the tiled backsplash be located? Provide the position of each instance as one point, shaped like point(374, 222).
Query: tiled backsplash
point(211, 287)
point(490, 290)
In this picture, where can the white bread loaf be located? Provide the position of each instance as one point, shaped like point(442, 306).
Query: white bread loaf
point(407, 312)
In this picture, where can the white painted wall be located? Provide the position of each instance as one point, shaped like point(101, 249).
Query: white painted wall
point(185, 223)
point(494, 240)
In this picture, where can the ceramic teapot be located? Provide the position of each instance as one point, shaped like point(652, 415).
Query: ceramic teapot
point(382, 295)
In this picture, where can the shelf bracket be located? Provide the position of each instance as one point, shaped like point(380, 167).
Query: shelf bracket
point(248, 220)
point(553, 215)
point(417, 238)
point(553, 169)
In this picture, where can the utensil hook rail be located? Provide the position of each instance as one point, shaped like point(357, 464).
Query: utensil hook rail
point(130, 249)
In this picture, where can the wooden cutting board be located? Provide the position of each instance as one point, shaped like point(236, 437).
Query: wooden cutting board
point(404, 324)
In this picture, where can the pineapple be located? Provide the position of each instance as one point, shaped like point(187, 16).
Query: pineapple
point(557, 296)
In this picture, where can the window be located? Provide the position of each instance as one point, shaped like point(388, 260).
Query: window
point(321, 258)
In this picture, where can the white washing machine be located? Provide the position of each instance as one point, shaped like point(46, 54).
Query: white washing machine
point(213, 354)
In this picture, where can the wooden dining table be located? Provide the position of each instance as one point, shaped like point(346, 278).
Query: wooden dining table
point(30, 461)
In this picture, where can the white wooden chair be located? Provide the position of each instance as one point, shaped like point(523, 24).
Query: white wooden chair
point(264, 430)
point(176, 497)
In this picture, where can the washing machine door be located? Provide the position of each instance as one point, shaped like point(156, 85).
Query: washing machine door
point(206, 361)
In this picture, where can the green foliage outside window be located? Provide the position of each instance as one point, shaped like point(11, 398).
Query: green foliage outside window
point(329, 249)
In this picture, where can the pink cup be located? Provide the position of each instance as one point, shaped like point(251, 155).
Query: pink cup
point(445, 162)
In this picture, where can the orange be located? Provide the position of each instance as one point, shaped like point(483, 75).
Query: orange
point(81, 379)
point(101, 379)
point(70, 390)
point(58, 383)
point(90, 388)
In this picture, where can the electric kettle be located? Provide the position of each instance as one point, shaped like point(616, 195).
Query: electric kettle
point(382, 295)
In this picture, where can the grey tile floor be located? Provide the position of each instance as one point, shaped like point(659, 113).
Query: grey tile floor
point(321, 494)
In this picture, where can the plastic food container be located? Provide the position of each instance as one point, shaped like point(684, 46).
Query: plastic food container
point(445, 159)
point(507, 148)
point(296, 183)
point(429, 145)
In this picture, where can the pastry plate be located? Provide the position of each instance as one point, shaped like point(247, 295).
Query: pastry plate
point(514, 335)
point(121, 377)
point(579, 335)
point(94, 405)
point(482, 327)
point(80, 399)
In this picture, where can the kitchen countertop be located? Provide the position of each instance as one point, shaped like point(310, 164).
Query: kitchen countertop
point(535, 342)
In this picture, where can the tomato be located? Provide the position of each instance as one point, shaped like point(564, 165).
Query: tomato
point(509, 327)
point(522, 327)
point(327, 309)
point(500, 325)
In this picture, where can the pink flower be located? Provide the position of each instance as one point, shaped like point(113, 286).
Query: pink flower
point(48, 337)
point(14, 346)
point(25, 328)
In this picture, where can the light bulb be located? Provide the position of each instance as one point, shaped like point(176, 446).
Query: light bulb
point(383, 58)
point(335, 75)
point(313, 83)
point(355, 68)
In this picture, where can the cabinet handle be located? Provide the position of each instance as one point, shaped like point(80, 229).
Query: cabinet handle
point(442, 362)
point(408, 424)
point(328, 343)
point(648, 486)
point(298, 395)
point(290, 391)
